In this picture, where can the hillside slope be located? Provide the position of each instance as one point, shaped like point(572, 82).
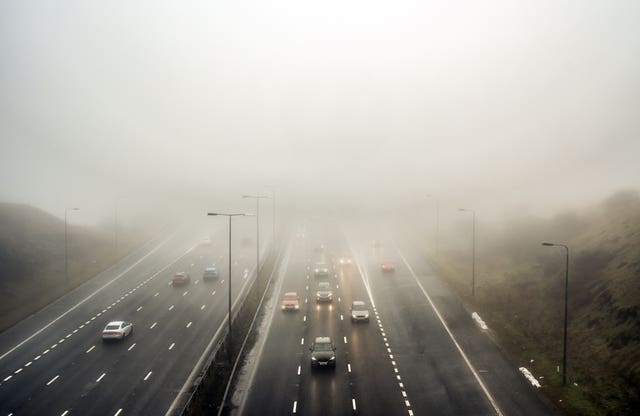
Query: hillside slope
point(32, 259)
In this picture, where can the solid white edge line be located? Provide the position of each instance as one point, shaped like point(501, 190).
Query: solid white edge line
point(444, 324)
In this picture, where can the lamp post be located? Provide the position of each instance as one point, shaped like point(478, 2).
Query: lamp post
point(257, 198)
point(273, 213)
point(437, 220)
point(229, 338)
point(566, 301)
point(473, 256)
point(66, 247)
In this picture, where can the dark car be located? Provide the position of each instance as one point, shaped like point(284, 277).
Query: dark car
point(180, 279)
point(323, 353)
point(320, 270)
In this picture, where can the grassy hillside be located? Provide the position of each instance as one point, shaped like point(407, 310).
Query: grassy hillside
point(520, 293)
point(32, 258)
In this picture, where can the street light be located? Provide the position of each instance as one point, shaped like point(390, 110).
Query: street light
point(437, 219)
point(229, 339)
point(273, 213)
point(66, 247)
point(473, 256)
point(257, 198)
point(566, 300)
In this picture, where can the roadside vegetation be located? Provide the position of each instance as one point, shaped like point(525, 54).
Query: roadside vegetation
point(32, 258)
point(520, 294)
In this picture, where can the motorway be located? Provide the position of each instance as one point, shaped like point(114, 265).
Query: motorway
point(420, 354)
point(55, 363)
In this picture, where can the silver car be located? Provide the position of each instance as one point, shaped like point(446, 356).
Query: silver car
point(117, 330)
point(359, 311)
point(324, 293)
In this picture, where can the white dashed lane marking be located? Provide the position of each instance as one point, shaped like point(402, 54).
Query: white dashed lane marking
point(131, 347)
point(101, 377)
point(118, 412)
point(172, 345)
point(153, 326)
point(90, 349)
point(52, 380)
point(189, 324)
point(148, 375)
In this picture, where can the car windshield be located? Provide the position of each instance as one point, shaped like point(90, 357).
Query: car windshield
point(324, 286)
point(290, 297)
point(359, 307)
point(323, 346)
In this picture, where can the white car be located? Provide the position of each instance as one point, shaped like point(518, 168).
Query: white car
point(117, 330)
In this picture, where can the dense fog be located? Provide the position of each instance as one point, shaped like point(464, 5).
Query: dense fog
point(529, 106)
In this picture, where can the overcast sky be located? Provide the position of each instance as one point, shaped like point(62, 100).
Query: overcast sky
point(531, 104)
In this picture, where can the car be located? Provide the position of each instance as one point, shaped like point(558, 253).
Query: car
point(324, 292)
point(117, 330)
point(387, 266)
point(320, 270)
point(345, 261)
point(210, 273)
point(359, 311)
point(206, 241)
point(290, 301)
point(180, 279)
point(323, 353)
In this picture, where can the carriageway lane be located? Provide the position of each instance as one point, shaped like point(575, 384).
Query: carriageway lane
point(513, 394)
point(72, 362)
point(439, 377)
point(364, 380)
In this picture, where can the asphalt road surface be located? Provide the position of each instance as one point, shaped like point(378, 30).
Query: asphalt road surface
point(55, 362)
point(420, 354)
